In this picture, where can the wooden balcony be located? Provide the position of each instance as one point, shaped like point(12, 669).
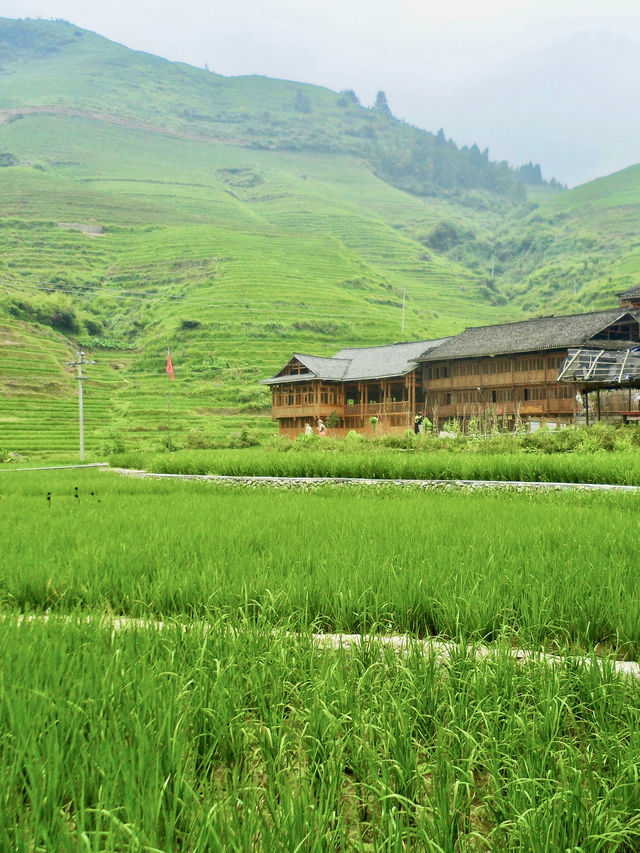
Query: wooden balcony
point(491, 380)
point(376, 409)
point(323, 410)
point(307, 410)
point(527, 409)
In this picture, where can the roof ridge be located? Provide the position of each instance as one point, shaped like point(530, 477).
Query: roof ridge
point(619, 310)
point(310, 355)
point(394, 344)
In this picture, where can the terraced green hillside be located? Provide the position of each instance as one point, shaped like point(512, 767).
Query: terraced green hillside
point(236, 261)
point(145, 204)
point(563, 252)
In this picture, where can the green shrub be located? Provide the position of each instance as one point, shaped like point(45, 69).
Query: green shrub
point(112, 443)
point(199, 440)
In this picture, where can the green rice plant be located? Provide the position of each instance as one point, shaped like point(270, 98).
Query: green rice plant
point(615, 467)
point(232, 736)
point(550, 569)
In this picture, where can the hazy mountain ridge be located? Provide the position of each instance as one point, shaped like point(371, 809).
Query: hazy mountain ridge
point(78, 70)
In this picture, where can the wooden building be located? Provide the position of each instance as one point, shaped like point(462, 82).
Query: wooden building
point(630, 298)
point(505, 372)
point(353, 386)
point(511, 370)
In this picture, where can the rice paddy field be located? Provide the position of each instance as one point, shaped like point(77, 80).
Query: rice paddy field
point(226, 727)
point(615, 467)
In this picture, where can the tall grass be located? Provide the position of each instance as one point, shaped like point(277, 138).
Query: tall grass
point(239, 739)
point(622, 467)
point(546, 569)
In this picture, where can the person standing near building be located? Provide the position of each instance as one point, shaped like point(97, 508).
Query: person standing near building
point(322, 430)
point(307, 429)
point(417, 425)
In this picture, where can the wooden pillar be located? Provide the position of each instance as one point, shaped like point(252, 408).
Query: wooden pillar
point(405, 395)
point(385, 391)
point(586, 405)
point(598, 402)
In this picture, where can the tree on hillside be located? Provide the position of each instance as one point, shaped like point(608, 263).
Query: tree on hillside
point(302, 102)
point(350, 96)
point(530, 174)
point(381, 103)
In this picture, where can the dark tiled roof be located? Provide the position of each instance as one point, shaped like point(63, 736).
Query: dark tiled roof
point(318, 366)
point(355, 363)
point(544, 333)
point(325, 368)
point(384, 361)
point(633, 293)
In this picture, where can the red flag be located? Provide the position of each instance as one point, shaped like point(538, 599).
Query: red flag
point(169, 369)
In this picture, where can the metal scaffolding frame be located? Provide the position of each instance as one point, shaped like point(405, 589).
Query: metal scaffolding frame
point(592, 369)
point(602, 368)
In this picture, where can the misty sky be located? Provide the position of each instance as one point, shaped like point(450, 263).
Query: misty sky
point(553, 82)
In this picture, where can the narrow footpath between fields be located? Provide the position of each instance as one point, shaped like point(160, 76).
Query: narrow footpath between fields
point(399, 643)
point(299, 482)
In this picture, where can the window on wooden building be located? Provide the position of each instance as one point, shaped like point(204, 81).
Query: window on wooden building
point(561, 392)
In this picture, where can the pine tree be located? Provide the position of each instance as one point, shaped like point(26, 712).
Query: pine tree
point(381, 103)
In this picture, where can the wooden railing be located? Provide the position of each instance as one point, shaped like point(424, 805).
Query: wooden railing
point(528, 408)
point(323, 410)
point(376, 409)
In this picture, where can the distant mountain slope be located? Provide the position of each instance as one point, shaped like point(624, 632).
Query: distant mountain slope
point(561, 252)
point(50, 66)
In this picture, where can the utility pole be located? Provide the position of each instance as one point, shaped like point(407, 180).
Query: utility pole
point(80, 377)
point(404, 300)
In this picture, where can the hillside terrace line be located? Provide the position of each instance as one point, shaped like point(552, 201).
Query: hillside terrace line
point(540, 370)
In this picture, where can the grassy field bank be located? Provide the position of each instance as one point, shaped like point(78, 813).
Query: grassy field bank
point(544, 569)
point(245, 740)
